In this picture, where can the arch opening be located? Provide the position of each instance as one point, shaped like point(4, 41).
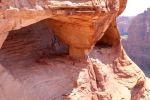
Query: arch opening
point(111, 37)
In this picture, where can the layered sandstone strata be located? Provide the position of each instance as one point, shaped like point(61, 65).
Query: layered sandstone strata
point(80, 19)
point(36, 38)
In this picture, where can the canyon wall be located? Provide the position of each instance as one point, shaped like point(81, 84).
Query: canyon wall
point(123, 23)
point(66, 50)
point(137, 44)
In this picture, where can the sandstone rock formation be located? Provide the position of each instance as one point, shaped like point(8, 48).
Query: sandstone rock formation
point(137, 44)
point(36, 38)
point(63, 15)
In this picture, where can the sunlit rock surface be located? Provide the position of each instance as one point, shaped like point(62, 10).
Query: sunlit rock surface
point(65, 50)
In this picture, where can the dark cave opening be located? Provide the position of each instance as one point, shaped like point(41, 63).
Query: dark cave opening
point(105, 41)
point(111, 37)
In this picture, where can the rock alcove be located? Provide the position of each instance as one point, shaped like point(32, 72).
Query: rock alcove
point(37, 37)
point(34, 40)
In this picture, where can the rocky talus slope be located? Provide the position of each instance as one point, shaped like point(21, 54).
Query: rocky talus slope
point(137, 45)
point(66, 50)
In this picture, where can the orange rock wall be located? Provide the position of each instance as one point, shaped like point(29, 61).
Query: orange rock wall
point(34, 61)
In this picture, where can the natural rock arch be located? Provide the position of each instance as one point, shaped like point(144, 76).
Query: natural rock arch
point(28, 68)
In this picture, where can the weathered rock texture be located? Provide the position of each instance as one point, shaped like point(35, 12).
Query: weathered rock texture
point(34, 61)
point(137, 44)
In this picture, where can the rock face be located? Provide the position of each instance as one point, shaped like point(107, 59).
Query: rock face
point(137, 43)
point(64, 17)
point(36, 38)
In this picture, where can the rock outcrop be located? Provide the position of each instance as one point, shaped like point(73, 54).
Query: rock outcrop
point(137, 43)
point(64, 17)
point(36, 38)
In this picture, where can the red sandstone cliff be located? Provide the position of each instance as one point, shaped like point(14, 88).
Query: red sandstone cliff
point(66, 50)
